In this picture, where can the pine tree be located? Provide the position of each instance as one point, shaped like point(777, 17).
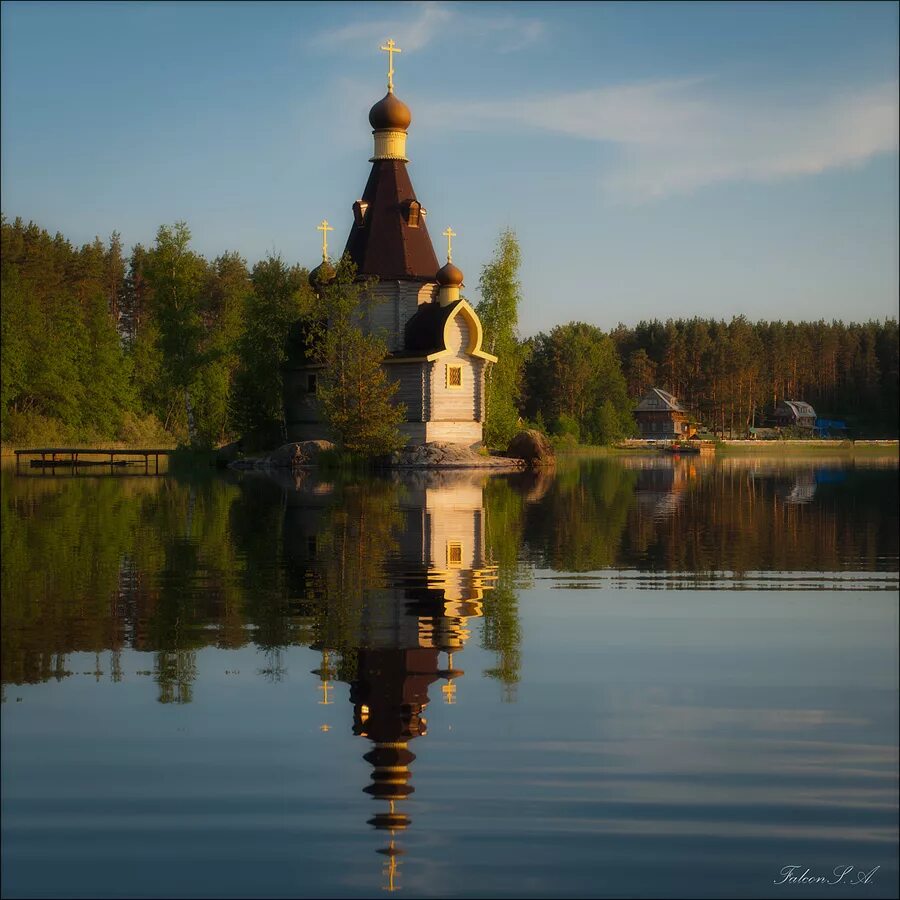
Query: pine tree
point(354, 390)
point(279, 295)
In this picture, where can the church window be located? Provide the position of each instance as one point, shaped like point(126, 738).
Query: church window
point(311, 383)
point(359, 212)
point(454, 376)
point(454, 554)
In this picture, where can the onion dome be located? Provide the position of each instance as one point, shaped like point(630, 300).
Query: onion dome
point(383, 756)
point(449, 275)
point(389, 113)
point(390, 821)
point(321, 274)
point(389, 790)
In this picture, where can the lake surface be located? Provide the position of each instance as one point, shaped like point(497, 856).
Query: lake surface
point(636, 676)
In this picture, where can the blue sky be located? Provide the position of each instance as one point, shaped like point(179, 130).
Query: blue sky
point(654, 160)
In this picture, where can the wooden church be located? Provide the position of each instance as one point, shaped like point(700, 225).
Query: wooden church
point(433, 335)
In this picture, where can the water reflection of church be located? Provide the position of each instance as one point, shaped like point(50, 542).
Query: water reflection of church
point(407, 629)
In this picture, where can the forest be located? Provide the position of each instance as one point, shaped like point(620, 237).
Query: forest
point(165, 346)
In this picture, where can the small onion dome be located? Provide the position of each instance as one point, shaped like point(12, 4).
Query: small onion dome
point(390, 821)
point(321, 274)
point(383, 790)
point(389, 113)
point(389, 756)
point(449, 276)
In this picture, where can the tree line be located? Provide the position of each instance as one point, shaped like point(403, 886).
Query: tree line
point(164, 345)
point(732, 374)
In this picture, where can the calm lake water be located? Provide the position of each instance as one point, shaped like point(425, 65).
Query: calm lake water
point(636, 676)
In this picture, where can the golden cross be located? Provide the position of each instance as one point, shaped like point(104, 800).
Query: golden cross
point(390, 48)
point(449, 234)
point(324, 228)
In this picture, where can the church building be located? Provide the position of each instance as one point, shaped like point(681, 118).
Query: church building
point(433, 335)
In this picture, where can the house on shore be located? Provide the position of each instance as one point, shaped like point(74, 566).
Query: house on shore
point(433, 335)
point(794, 414)
point(661, 417)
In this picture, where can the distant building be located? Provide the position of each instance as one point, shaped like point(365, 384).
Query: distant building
point(661, 417)
point(835, 428)
point(794, 413)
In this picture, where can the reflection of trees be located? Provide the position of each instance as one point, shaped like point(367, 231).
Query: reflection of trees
point(504, 516)
point(578, 524)
point(174, 564)
point(742, 515)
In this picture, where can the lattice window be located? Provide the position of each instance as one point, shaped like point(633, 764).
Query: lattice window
point(454, 376)
point(454, 554)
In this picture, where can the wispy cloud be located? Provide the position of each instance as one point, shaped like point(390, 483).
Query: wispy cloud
point(432, 20)
point(677, 136)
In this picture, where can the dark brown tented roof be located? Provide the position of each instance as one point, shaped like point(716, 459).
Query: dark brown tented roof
point(384, 245)
point(425, 330)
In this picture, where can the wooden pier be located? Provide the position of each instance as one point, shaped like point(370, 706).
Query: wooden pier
point(68, 457)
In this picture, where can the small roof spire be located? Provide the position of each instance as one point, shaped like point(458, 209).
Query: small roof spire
point(324, 227)
point(449, 234)
point(390, 48)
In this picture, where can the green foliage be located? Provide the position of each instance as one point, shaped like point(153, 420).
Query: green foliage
point(354, 390)
point(566, 426)
point(91, 344)
point(504, 518)
point(575, 379)
point(499, 314)
point(640, 374)
point(732, 374)
point(280, 295)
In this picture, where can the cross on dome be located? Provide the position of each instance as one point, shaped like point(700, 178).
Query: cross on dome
point(324, 227)
point(390, 48)
point(449, 234)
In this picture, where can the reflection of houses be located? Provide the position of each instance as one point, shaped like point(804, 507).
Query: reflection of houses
point(659, 488)
point(795, 414)
point(803, 489)
point(660, 416)
point(407, 627)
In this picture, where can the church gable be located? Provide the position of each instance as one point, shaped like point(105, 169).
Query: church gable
point(437, 330)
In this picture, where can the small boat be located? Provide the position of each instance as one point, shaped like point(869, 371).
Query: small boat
point(681, 449)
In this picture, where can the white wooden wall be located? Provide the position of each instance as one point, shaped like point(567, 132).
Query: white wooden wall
point(394, 305)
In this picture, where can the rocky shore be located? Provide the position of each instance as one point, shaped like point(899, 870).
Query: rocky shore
point(437, 455)
point(528, 449)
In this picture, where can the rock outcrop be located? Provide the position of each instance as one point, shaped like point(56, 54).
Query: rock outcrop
point(296, 455)
point(438, 455)
point(532, 447)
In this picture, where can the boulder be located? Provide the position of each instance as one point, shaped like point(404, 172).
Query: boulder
point(229, 453)
point(298, 454)
point(532, 447)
